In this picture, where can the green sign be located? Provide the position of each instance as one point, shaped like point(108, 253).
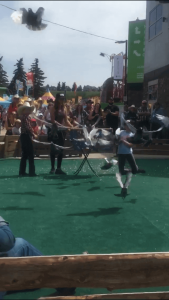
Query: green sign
point(136, 49)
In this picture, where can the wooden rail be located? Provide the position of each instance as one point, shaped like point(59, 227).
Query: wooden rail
point(111, 271)
point(10, 147)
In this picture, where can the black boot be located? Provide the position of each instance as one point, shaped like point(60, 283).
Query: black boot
point(32, 170)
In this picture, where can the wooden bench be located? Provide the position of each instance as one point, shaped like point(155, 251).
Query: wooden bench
point(158, 147)
point(111, 271)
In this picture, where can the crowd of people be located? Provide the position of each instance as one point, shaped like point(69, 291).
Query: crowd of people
point(84, 113)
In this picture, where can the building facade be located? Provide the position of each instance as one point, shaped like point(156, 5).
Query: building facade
point(156, 63)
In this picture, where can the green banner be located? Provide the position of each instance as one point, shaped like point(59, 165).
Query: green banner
point(136, 49)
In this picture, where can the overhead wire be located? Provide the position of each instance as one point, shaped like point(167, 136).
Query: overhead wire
point(68, 27)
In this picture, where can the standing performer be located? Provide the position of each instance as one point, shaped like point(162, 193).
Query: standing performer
point(125, 152)
point(26, 140)
point(58, 116)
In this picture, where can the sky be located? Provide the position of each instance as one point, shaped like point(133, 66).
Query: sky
point(66, 55)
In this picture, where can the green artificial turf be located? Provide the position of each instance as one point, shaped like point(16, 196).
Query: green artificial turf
point(72, 214)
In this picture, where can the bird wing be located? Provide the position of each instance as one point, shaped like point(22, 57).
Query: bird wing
point(24, 15)
point(131, 127)
point(17, 16)
point(122, 120)
point(147, 132)
point(163, 119)
point(42, 26)
point(86, 135)
point(40, 13)
point(117, 133)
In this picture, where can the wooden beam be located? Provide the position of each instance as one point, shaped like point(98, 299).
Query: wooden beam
point(154, 295)
point(115, 271)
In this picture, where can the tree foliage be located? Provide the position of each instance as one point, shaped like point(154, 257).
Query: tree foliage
point(39, 79)
point(19, 74)
point(58, 87)
point(63, 86)
point(3, 76)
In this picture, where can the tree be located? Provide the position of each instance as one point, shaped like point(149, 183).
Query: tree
point(58, 87)
point(39, 79)
point(79, 88)
point(19, 74)
point(3, 76)
point(63, 86)
point(74, 87)
point(68, 88)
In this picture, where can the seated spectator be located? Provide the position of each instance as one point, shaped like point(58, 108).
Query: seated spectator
point(95, 114)
point(132, 115)
point(18, 247)
point(144, 114)
point(34, 126)
point(10, 122)
point(16, 130)
point(156, 123)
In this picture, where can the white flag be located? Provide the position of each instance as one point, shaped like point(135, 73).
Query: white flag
point(118, 67)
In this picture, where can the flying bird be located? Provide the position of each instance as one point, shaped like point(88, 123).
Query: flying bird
point(163, 119)
point(32, 20)
point(138, 133)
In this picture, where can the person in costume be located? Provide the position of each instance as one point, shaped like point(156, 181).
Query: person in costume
point(58, 116)
point(27, 134)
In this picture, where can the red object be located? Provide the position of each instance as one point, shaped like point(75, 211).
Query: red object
point(33, 120)
point(75, 88)
point(29, 76)
point(35, 129)
point(12, 107)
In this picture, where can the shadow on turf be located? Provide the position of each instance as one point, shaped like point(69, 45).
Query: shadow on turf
point(15, 208)
point(27, 193)
point(101, 212)
point(94, 189)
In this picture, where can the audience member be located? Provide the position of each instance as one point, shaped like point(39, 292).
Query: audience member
point(18, 247)
point(16, 130)
point(79, 114)
point(126, 110)
point(95, 114)
point(10, 121)
point(132, 115)
point(144, 114)
point(13, 105)
point(87, 111)
point(34, 126)
point(112, 115)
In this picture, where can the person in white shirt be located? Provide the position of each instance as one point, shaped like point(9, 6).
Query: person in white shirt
point(46, 115)
point(125, 153)
point(16, 130)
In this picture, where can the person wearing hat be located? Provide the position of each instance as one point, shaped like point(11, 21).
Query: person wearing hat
point(26, 140)
point(144, 114)
point(58, 116)
point(132, 115)
point(13, 105)
point(16, 130)
point(112, 117)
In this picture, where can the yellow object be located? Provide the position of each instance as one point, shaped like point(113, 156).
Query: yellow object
point(1, 99)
